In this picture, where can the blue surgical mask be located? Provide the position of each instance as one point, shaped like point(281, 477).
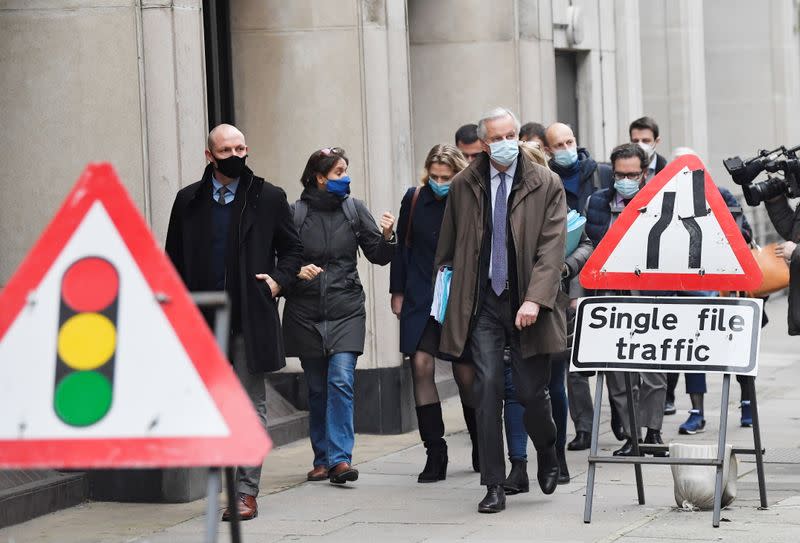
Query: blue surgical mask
point(504, 152)
point(627, 188)
point(566, 158)
point(440, 190)
point(339, 187)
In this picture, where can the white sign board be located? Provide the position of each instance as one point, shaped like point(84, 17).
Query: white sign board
point(667, 334)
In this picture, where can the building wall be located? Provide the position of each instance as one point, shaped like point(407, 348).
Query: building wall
point(468, 56)
point(753, 84)
point(96, 80)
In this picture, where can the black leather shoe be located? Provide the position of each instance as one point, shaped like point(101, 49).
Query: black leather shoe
point(547, 471)
point(563, 470)
point(495, 500)
point(582, 441)
point(626, 449)
point(616, 425)
point(517, 481)
point(653, 437)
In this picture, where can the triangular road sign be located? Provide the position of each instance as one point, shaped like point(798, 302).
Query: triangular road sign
point(105, 362)
point(676, 234)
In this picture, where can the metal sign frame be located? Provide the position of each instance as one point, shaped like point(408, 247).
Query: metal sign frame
point(639, 449)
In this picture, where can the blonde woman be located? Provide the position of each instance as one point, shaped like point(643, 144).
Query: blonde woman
point(411, 287)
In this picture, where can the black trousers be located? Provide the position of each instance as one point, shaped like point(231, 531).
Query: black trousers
point(493, 331)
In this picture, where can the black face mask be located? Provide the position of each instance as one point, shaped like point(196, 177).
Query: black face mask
point(232, 166)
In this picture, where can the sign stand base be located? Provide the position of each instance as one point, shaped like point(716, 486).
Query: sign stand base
point(639, 459)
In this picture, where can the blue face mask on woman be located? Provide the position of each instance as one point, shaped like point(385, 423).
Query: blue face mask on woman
point(439, 190)
point(339, 187)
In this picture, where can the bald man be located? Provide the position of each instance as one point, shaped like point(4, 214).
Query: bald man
point(576, 168)
point(233, 231)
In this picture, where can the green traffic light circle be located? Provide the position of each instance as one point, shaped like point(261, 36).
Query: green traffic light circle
point(83, 398)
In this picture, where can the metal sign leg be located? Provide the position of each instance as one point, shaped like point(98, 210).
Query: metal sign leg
point(635, 437)
point(212, 509)
point(230, 484)
point(723, 431)
point(762, 487)
point(598, 405)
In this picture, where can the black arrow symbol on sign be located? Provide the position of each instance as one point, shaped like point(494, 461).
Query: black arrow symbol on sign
point(695, 232)
point(699, 204)
point(654, 237)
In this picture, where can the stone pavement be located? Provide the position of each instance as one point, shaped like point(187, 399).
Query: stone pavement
point(387, 504)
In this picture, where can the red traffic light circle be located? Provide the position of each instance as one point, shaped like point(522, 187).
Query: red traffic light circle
point(90, 284)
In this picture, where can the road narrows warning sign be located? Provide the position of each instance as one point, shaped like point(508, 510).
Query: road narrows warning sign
point(675, 234)
point(104, 359)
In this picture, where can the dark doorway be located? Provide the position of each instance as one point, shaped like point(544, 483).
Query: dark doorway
point(219, 74)
point(567, 89)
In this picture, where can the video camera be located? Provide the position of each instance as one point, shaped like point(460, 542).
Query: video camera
point(780, 160)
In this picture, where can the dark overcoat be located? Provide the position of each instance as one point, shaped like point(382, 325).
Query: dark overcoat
point(266, 241)
point(326, 315)
point(412, 267)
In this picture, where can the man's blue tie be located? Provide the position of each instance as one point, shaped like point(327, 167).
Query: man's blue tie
point(499, 259)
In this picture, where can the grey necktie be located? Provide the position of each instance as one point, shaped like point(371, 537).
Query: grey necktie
point(499, 260)
point(221, 195)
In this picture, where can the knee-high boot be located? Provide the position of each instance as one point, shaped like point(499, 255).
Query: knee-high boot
point(431, 430)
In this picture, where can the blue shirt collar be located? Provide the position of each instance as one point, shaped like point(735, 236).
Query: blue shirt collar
point(217, 185)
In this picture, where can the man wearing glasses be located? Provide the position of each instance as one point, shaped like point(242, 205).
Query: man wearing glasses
point(629, 163)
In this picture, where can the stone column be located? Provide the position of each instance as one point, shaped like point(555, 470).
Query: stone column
point(673, 72)
point(309, 75)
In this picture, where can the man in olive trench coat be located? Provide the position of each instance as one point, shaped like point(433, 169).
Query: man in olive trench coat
point(503, 234)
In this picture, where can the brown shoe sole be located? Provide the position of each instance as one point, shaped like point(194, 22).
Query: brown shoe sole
point(344, 477)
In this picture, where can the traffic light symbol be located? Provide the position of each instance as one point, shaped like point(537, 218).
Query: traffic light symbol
point(87, 342)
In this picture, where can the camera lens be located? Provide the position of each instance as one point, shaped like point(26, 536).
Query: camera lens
point(765, 190)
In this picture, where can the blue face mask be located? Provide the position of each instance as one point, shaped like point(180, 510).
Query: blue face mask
point(440, 190)
point(339, 187)
point(627, 188)
point(504, 152)
point(566, 158)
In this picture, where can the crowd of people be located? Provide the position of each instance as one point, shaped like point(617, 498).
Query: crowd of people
point(492, 209)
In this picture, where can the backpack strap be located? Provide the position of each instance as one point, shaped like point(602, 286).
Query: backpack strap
point(351, 214)
point(411, 215)
point(299, 212)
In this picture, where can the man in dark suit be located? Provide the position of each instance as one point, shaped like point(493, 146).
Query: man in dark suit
point(644, 131)
point(233, 231)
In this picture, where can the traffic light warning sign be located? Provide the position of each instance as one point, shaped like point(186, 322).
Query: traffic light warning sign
point(105, 362)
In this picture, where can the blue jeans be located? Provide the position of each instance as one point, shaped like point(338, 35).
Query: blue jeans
point(516, 436)
point(558, 396)
point(330, 406)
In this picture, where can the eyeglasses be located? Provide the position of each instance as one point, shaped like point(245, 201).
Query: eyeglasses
point(327, 151)
point(633, 176)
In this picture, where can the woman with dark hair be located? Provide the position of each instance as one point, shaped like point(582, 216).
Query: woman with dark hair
point(324, 319)
point(411, 286)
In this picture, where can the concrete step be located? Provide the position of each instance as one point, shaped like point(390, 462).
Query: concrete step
point(28, 494)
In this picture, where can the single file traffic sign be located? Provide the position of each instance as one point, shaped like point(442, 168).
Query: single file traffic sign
point(105, 362)
point(675, 234)
point(667, 334)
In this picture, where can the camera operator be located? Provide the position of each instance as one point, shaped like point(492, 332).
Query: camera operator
point(787, 223)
